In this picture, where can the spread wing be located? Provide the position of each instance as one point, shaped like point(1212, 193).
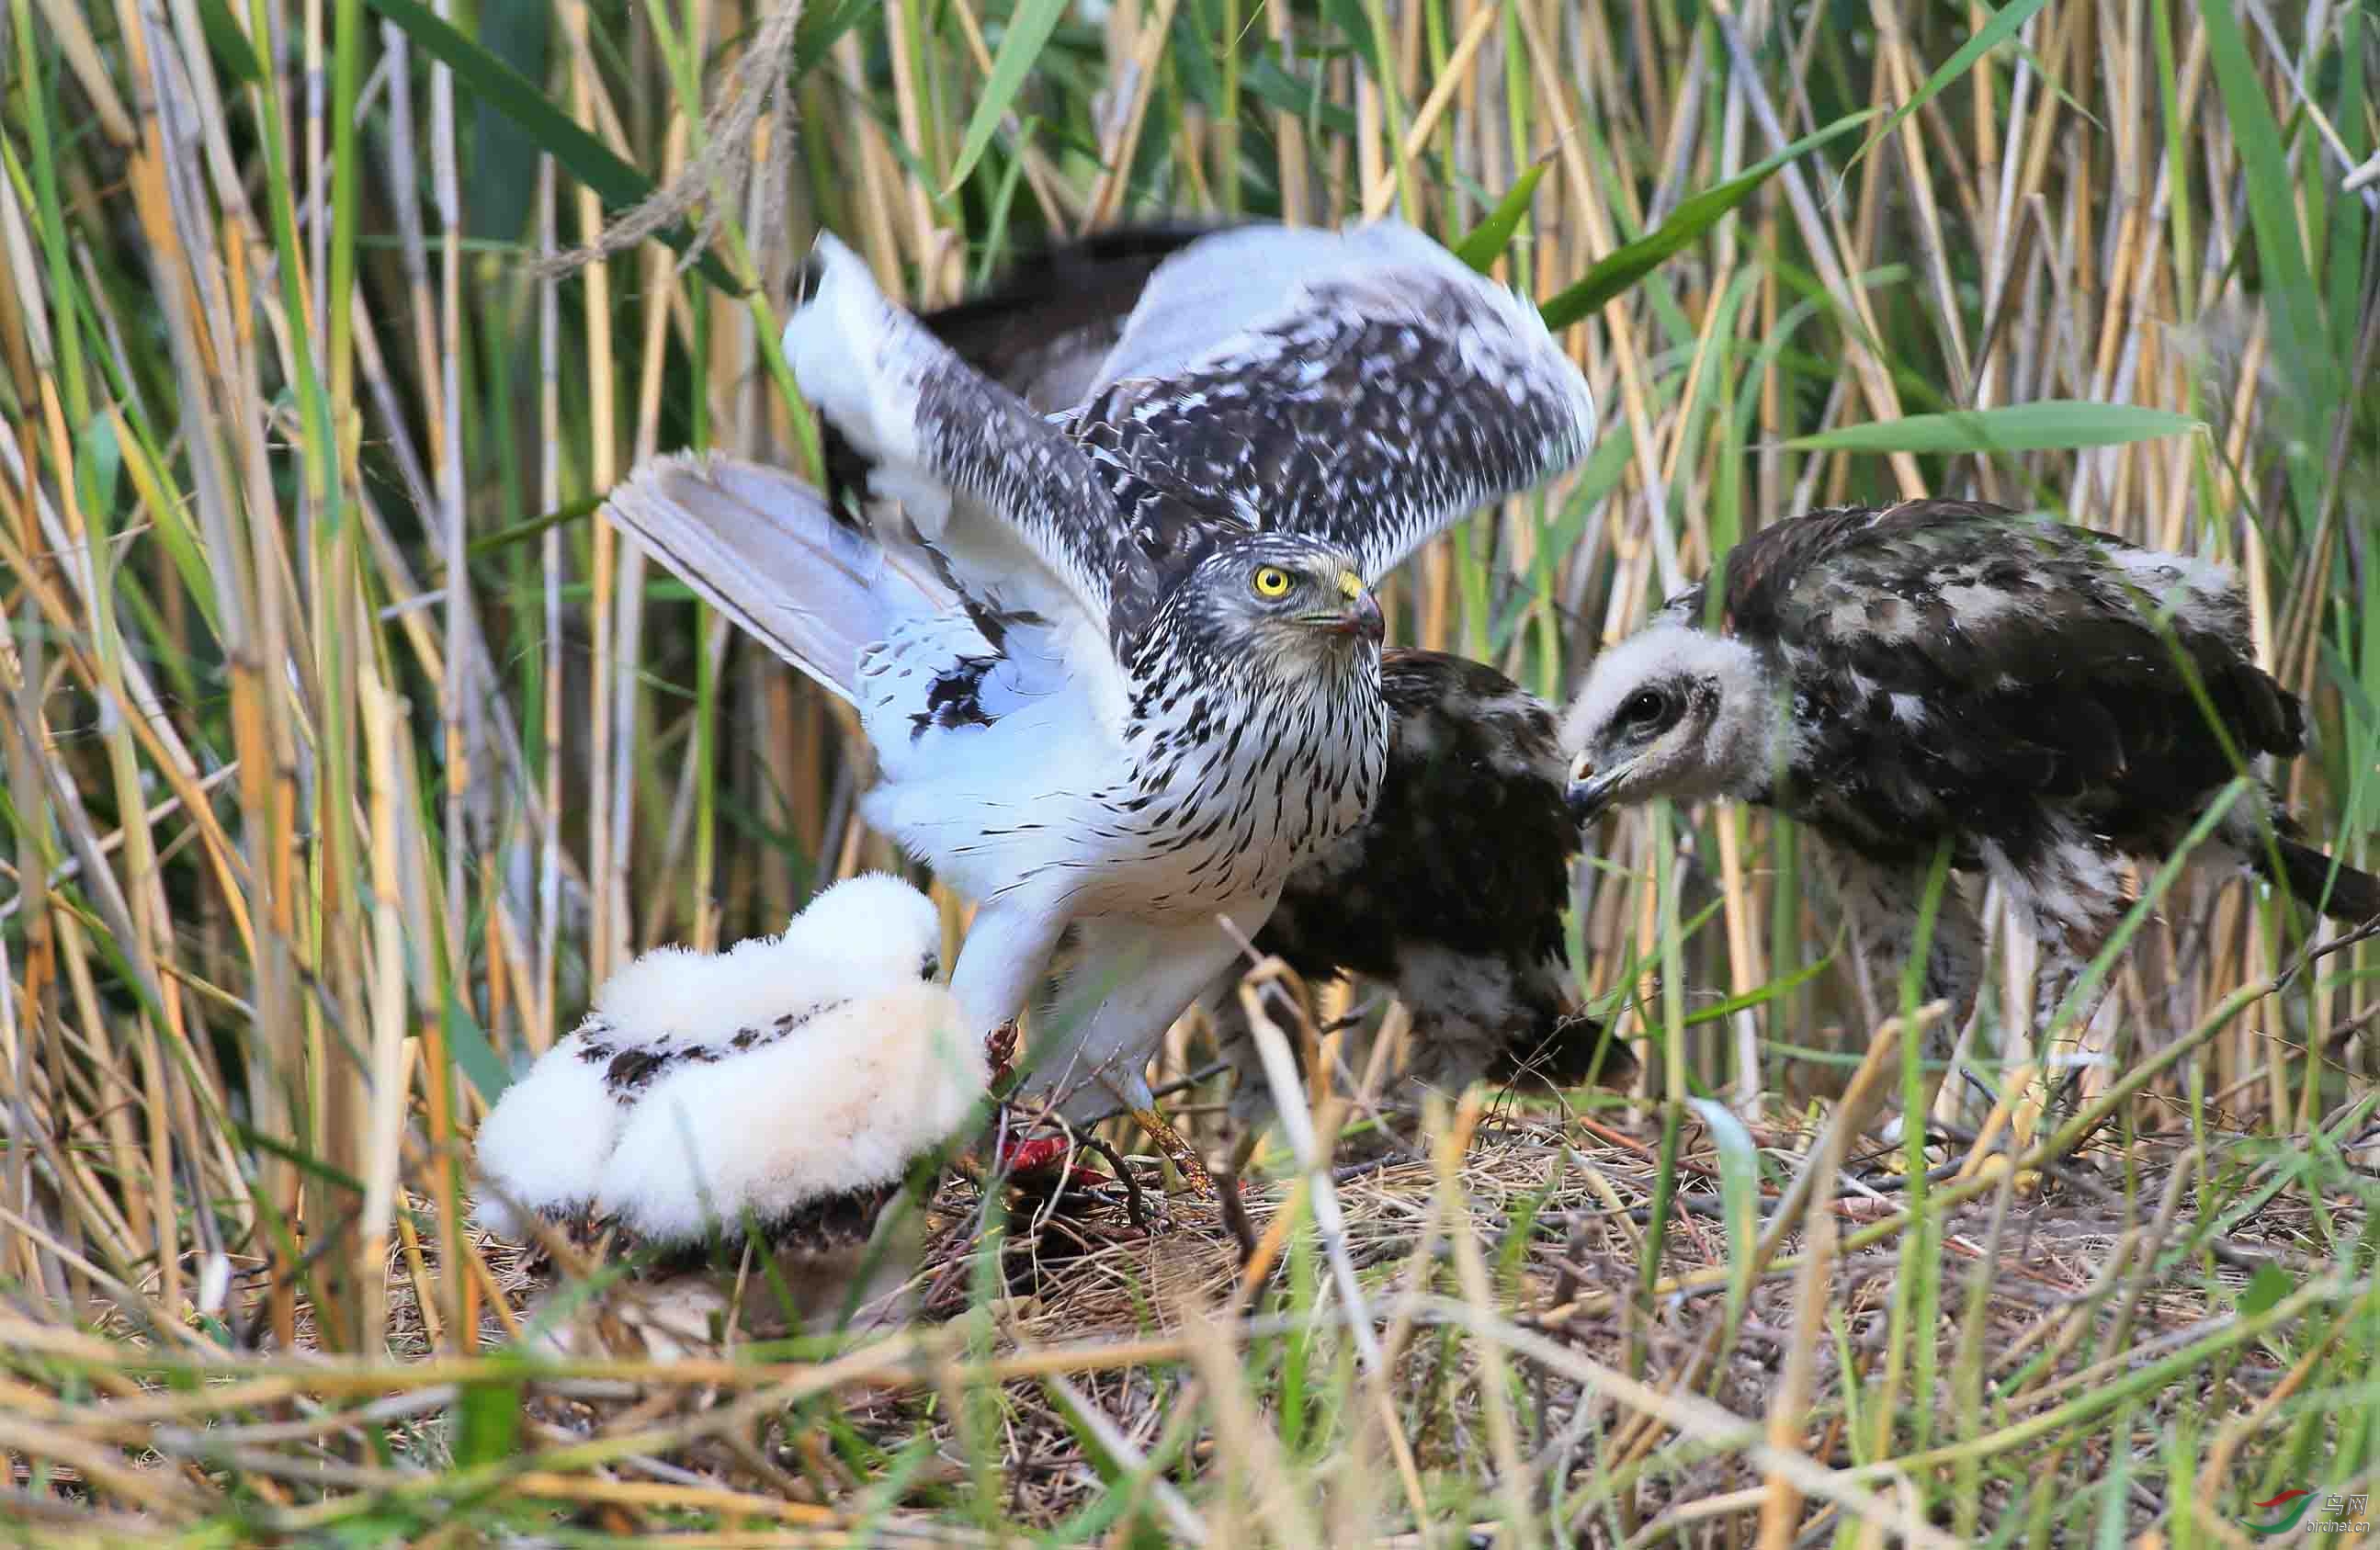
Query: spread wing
point(761, 547)
point(1046, 325)
point(1365, 388)
point(1013, 504)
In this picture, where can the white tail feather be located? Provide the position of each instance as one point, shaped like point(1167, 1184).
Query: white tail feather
point(761, 547)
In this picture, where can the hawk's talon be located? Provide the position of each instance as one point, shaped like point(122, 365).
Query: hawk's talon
point(1000, 1049)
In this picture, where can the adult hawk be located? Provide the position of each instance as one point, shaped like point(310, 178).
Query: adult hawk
point(1120, 666)
point(1452, 893)
point(2045, 700)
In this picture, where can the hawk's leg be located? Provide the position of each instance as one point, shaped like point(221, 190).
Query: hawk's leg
point(2065, 955)
point(2068, 892)
point(1882, 905)
point(2062, 1019)
point(1006, 953)
point(1131, 979)
point(1250, 1108)
point(1954, 973)
point(1176, 1148)
point(1875, 901)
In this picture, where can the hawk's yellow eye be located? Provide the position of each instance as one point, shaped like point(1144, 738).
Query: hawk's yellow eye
point(1271, 581)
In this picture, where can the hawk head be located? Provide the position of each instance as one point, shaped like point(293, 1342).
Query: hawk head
point(1672, 711)
point(1293, 602)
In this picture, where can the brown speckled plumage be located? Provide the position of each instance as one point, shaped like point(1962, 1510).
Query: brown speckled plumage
point(2042, 702)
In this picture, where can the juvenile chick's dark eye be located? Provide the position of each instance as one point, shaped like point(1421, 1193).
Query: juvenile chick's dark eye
point(1645, 707)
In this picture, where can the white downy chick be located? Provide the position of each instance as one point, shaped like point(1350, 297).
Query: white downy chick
point(544, 1147)
point(806, 1127)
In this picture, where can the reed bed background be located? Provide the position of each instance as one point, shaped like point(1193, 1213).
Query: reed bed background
point(344, 750)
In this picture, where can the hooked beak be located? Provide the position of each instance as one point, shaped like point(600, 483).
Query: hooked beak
point(1590, 792)
point(1360, 617)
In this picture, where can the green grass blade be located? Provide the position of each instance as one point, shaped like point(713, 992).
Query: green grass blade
point(1695, 216)
point(467, 1043)
point(1482, 242)
point(820, 27)
point(2052, 425)
point(2304, 349)
point(1739, 1190)
point(619, 185)
point(1028, 32)
point(490, 1428)
point(230, 43)
point(2002, 26)
point(1297, 96)
point(504, 538)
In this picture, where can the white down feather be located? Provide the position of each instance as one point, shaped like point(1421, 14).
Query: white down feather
point(842, 1104)
point(546, 1146)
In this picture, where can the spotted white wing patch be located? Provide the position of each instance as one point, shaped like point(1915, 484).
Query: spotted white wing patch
point(1379, 394)
point(996, 489)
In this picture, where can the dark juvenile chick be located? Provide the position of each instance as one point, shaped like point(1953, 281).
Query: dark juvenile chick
point(1452, 895)
point(2047, 701)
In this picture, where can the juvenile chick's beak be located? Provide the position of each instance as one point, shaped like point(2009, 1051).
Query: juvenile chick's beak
point(1590, 792)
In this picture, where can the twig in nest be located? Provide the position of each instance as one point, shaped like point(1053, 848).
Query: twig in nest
point(1132, 1202)
point(1386, 1160)
point(2334, 1042)
point(2313, 955)
point(1567, 1278)
point(1206, 1073)
point(1349, 1019)
point(1236, 1214)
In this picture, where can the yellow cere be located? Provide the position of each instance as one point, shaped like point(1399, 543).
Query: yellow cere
point(1350, 584)
point(1271, 581)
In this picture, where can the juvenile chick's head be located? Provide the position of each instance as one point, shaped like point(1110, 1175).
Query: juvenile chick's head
point(1673, 710)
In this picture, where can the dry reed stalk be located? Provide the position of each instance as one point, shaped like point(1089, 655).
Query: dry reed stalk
point(204, 919)
point(1116, 155)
